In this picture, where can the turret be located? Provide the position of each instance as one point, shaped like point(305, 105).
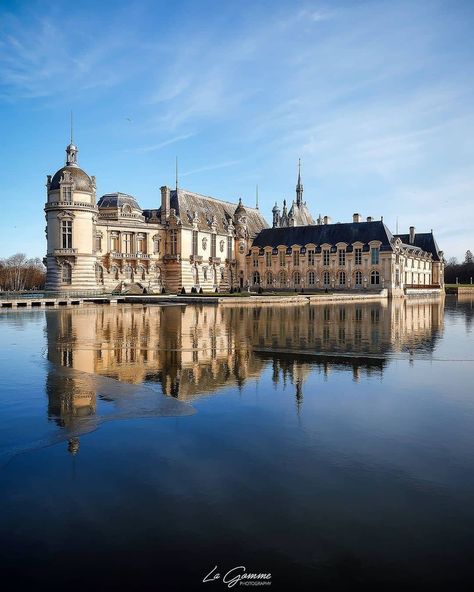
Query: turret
point(276, 216)
point(71, 216)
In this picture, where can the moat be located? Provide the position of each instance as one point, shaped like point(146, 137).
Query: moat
point(327, 445)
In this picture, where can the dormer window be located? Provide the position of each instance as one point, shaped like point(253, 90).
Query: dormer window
point(67, 193)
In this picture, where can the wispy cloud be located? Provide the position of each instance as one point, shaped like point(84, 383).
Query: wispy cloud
point(211, 167)
point(153, 147)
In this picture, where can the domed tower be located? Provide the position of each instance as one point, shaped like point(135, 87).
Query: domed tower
point(71, 216)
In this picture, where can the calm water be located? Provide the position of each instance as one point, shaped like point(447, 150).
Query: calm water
point(330, 446)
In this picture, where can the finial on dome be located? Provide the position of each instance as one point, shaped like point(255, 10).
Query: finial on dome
point(71, 150)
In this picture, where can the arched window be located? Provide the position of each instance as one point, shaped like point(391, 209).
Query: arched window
point(115, 273)
point(256, 278)
point(326, 278)
point(269, 278)
point(128, 273)
point(342, 278)
point(375, 278)
point(141, 273)
point(311, 278)
point(66, 274)
point(297, 278)
point(358, 278)
point(282, 279)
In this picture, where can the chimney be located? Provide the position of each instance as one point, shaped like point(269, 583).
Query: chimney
point(165, 204)
point(327, 220)
point(356, 218)
point(412, 235)
point(369, 218)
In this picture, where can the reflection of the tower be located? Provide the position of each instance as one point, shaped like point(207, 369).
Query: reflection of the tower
point(195, 350)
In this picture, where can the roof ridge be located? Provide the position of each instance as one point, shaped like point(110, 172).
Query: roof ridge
point(201, 195)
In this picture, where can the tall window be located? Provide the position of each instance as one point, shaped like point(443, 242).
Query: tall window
point(156, 244)
point(358, 278)
point(255, 260)
point(195, 242)
point(296, 258)
point(66, 234)
point(98, 243)
point(127, 243)
point(342, 256)
point(173, 242)
point(140, 244)
point(375, 278)
point(67, 193)
point(114, 243)
point(229, 247)
point(342, 278)
point(66, 274)
point(374, 255)
point(311, 257)
point(326, 278)
point(325, 256)
point(213, 245)
point(311, 278)
point(268, 259)
point(282, 256)
point(256, 278)
point(297, 278)
point(358, 256)
point(269, 278)
point(282, 279)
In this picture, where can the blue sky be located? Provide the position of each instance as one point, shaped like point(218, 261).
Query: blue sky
point(377, 98)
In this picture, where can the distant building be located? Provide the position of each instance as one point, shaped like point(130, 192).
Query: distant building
point(196, 241)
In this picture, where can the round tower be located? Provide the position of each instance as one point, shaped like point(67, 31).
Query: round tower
point(71, 216)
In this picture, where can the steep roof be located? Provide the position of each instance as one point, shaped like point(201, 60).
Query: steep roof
point(425, 241)
point(331, 234)
point(301, 214)
point(187, 203)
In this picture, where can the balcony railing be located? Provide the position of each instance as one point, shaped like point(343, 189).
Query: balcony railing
point(215, 260)
point(65, 252)
point(117, 255)
point(195, 259)
point(70, 204)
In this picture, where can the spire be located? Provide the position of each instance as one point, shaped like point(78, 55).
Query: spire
point(299, 186)
point(256, 198)
point(71, 150)
point(176, 173)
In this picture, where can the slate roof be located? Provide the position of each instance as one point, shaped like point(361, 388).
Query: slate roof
point(117, 200)
point(81, 179)
point(425, 241)
point(351, 232)
point(186, 203)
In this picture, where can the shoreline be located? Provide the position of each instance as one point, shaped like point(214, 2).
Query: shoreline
point(164, 299)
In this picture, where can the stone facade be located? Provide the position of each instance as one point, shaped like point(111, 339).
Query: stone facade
point(198, 242)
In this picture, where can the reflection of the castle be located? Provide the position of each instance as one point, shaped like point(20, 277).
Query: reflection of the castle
point(195, 350)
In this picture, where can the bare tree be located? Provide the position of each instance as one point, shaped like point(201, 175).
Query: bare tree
point(18, 273)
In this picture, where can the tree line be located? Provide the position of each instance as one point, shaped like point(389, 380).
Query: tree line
point(460, 272)
point(19, 273)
